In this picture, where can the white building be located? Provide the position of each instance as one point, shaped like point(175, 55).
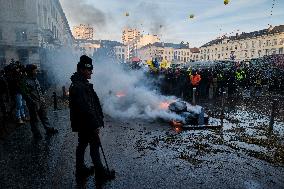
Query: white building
point(245, 46)
point(139, 42)
point(83, 31)
point(121, 53)
point(168, 51)
point(87, 47)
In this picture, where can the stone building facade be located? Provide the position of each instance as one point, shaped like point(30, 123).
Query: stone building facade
point(168, 51)
point(245, 46)
point(121, 53)
point(83, 31)
point(31, 29)
point(87, 47)
point(129, 34)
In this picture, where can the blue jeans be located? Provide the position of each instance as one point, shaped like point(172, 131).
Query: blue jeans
point(20, 106)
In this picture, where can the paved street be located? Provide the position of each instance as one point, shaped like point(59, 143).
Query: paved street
point(150, 155)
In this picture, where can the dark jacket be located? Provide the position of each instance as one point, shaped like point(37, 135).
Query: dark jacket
point(32, 93)
point(85, 108)
point(3, 85)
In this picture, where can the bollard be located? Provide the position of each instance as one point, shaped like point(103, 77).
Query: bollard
point(54, 101)
point(273, 113)
point(193, 96)
point(222, 108)
point(211, 92)
point(63, 92)
point(201, 117)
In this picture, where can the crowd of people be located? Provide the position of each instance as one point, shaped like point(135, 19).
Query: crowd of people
point(21, 96)
point(235, 78)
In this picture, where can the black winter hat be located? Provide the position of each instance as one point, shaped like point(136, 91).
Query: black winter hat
point(85, 63)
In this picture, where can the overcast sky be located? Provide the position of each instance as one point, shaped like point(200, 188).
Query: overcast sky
point(170, 18)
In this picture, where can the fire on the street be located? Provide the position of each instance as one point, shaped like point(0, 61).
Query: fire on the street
point(120, 94)
point(164, 105)
point(175, 123)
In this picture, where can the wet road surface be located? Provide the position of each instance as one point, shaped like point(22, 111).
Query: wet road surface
point(151, 155)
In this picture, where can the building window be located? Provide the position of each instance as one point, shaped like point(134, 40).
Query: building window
point(23, 55)
point(2, 58)
point(275, 42)
point(1, 35)
point(21, 35)
point(267, 43)
point(281, 41)
point(281, 50)
point(259, 43)
point(259, 53)
point(252, 44)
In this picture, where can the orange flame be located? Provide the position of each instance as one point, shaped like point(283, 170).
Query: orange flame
point(120, 94)
point(164, 105)
point(176, 123)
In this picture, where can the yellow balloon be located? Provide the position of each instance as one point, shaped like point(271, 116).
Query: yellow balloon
point(226, 2)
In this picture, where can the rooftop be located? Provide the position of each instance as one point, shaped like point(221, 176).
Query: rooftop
point(270, 30)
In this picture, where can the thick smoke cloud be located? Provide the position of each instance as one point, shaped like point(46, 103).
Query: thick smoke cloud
point(124, 93)
point(152, 15)
point(60, 65)
point(129, 94)
point(80, 12)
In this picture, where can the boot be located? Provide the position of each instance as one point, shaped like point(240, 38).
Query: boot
point(20, 121)
point(84, 171)
point(26, 119)
point(104, 174)
point(51, 131)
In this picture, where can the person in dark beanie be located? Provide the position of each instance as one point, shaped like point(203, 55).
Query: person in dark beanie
point(86, 118)
point(36, 103)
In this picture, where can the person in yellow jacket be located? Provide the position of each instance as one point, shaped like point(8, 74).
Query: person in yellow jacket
point(164, 64)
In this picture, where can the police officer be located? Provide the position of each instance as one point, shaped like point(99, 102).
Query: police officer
point(36, 103)
point(86, 118)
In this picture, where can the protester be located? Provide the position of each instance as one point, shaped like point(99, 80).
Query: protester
point(15, 73)
point(86, 118)
point(36, 103)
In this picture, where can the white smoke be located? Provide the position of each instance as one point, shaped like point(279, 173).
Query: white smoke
point(61, 66)
point(129, 94)
point(123, 93)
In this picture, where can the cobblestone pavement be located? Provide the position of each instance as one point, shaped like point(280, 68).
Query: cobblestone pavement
point(151, 155)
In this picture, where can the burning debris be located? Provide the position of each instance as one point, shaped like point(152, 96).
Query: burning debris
point(192, 115)
point(120, 94)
